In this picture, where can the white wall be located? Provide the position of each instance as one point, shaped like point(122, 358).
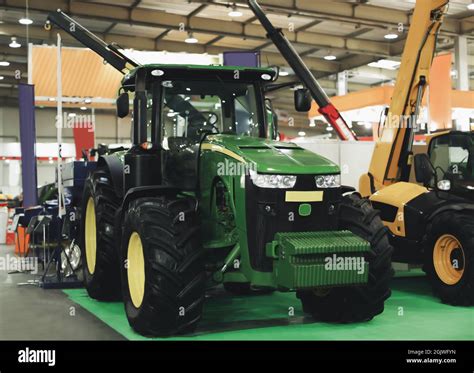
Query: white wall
point(352, 157)
point(108, 130)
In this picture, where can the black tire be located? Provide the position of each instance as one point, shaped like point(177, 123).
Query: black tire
point(460, 226)
point(244, 288)
point(103, 282)
point(174, 272)
point(361, 302)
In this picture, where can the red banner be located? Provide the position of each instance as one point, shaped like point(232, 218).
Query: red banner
point(83, 137)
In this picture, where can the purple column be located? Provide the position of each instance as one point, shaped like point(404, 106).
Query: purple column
point(28, 144)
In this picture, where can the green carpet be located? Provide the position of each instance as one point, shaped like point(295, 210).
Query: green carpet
point(411, 313)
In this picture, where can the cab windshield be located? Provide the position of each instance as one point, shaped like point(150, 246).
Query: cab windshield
point(192, 108)
point(453, 157)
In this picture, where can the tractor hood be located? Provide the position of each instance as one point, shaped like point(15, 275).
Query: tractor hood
point(270, 156)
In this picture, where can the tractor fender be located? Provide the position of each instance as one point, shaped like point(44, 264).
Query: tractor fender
point(456, 207)
point(139, 192)
point(115, 167)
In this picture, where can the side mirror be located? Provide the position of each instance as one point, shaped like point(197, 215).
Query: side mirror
point(424, 170)
point(302, 100)
point(123, 105)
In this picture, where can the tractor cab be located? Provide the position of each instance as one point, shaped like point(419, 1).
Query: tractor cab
point(177, 107)
point(452, 156)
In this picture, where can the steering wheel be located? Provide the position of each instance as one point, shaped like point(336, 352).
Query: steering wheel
point(211, 118)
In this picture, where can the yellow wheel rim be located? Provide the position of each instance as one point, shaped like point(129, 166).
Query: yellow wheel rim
point(442, 259)
point(91, 237)
point(136, 269)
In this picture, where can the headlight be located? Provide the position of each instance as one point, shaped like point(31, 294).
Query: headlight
point(328, 181)
point(273, 181)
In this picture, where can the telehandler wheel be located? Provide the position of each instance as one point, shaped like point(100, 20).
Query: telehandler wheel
point(100, 260)
point(361, 302)
point(244, 288)
point(449, 258)
point(163, 274)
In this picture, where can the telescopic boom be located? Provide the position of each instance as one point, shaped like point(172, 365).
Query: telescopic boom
point(326, 108)
point(109, 52)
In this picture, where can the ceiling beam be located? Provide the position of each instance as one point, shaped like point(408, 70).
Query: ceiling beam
point(161, 19)
point(467, 25)
point(144, 43)
point(330, 10)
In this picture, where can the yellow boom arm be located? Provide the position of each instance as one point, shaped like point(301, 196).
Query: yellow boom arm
point(391, 159)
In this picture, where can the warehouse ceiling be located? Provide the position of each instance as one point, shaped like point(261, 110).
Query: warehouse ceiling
point(351, 31)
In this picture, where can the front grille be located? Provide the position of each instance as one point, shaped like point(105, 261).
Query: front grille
point(268, 213)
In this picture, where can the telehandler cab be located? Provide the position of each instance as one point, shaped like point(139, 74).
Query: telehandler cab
point(207, 195)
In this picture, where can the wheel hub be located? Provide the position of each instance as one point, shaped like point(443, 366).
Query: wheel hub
point(90, 236)
point(136, 269)
point(448, 259)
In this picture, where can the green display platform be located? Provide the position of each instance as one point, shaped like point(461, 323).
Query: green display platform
point(412, 313)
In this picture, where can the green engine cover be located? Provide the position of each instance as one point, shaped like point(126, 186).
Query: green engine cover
point(318, 259)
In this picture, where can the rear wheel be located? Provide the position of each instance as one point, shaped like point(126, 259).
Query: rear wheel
point(100, 267)
point(449, 258)
point(163, 273)
point(360, 302)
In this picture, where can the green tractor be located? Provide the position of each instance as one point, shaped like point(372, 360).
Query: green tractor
point(207, 195)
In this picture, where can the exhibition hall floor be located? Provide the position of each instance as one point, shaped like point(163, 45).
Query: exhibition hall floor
point(411, 313)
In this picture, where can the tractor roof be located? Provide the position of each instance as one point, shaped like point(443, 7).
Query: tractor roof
point(201, 72)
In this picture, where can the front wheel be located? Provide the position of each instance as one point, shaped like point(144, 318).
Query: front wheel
point(360, 302)
point(449, 258)
point(163, 273)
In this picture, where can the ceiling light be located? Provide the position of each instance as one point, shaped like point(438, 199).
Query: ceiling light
point(235, 12)
point(191, 39)
point(302, 133)
point(25, 21)
point(385, 64)
point(2, 77)
point(470, 6)
point(14, 43)
point(390, 36)
point(52, 99)
point(330, 57)
point(83, 108)
point(4, 63)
